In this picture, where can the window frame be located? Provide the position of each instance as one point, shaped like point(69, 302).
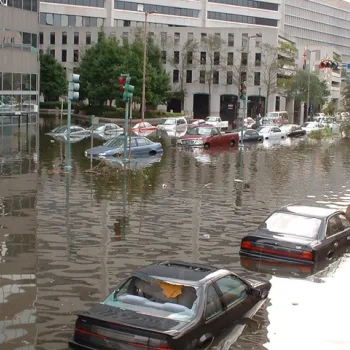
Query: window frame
point(218, 292)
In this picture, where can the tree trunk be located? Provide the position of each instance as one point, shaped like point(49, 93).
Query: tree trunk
point(209, 100)
point(267, 101)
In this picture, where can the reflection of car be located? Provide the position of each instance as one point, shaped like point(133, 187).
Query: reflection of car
point(74, 131)
point(207, 136)
point(311, 126)
point(72, 138)
point(177, 124)
point(293, 130)
point(135, 163)
point(115, 147)
point(249, 135)
point(298, 233)
point(271, 133)
point(169, 305)
point(144, 127)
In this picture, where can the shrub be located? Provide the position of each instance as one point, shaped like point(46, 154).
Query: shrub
point(320, 134)
point(54, 104)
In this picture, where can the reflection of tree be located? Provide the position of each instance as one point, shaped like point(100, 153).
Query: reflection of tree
point(326, 159)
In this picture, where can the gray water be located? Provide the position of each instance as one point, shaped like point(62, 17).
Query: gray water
point(60, 254)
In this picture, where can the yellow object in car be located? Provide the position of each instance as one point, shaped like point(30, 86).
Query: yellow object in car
point(170, 290)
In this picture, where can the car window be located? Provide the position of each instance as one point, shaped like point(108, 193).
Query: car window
point(133, 143)
point(214, 304)
point(334, 226)
point(142, 142)
point(344, 220)
point(276, 130)
point(215, 131)
point(108, 127)
point(233, 289)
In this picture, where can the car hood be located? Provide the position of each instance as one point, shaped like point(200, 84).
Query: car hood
point(100, 149)
point(134, 319)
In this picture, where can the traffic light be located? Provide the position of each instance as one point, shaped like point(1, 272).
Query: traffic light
point(73, 87)
point(121, 87)
point(327, 63)
point(129, 90)
point(243, 91)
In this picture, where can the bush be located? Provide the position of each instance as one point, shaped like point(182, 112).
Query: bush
point(54, 104)
point(320, 134)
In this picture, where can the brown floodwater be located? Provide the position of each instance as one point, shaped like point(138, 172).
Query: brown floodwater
point(66, 240)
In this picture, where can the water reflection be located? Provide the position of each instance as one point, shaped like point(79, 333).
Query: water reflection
point(66, 240)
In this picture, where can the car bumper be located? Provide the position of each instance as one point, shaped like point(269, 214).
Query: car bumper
point(271, 257)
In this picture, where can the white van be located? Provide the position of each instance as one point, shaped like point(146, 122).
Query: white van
point(177, 124)
point(275, 118)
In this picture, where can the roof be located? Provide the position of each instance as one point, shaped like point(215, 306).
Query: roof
point(178, 270)
point(305, 210)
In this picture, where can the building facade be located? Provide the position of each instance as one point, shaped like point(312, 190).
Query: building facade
point(19, 63)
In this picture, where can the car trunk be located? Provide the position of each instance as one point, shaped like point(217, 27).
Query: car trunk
point(106, 327)
point(279, 245)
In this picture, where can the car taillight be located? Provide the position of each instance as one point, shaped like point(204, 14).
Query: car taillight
point(82, 331)
point(248, 245)
point(141, 346)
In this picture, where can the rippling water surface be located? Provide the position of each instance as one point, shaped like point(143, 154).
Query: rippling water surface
point(66, 240)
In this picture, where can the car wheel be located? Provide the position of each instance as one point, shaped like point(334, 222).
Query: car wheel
point(282, 137)
point(266, 138)
point(206, 145)
point(232, 143)
point(260, 140)
point(117, 155)
point(152, 153)
point(205, 345)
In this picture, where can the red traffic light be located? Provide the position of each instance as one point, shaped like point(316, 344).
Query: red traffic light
point(243, 86)
point(121, 80)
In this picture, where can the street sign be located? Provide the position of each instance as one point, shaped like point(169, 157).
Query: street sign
point(230, 106)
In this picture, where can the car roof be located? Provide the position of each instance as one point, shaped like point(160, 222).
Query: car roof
point(180, 271)
point(311, 211)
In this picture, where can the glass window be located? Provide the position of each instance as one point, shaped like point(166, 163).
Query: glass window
point(334, 226)
point(34, 5)
point(27, 5)
point(188, 76)
point(215, 131)
point(17, 4)
point(88, 38)
point(291, 224)
point(76, 56)
point(49, 19)
point(230, 58)
point(34, 41)
point(64, 20)
point(27, 38)
point(41, 38)
point(214, 305)
point(76, 38)
point(17, 77)
point(344, 220)
point(202, 77)
point(57, 20)
point(7, 81)
point(232, 289)
point(216, 77)
point(93, 21)
point(142, 142)
point(0, 81)
point(33, 82)
point(71, 21)
point(175, 76)
point(26, 82)
point(64, 56)
point(231, 40)
point(79, 21)
point(64, 38)
point(53, 53)
point(52, 38)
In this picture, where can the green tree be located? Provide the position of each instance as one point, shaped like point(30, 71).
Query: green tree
point(330, 108)
point(157, 79)
point(99, 69)
point(298, 89)
point(53, 81)
point(346, 94)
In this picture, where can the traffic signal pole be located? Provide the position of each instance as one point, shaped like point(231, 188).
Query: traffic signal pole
point(125, 130)
point(243, 97)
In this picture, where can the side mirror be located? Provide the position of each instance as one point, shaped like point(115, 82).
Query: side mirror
point(255, 292)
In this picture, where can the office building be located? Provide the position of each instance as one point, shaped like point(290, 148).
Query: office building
point(19, 64)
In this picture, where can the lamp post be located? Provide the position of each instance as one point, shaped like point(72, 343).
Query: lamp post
point(259, 105)
point(308, 81)
point(143, 103)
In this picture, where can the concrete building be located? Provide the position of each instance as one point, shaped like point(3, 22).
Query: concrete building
point(19, 65)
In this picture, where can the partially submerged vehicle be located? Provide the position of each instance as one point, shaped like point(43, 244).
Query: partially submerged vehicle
point(169, 305)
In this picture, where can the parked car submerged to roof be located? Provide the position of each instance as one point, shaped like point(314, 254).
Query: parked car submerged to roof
point(249, 135)
point(169, 305)
point(271, 133)
point(115, 147)
point(217, 122)
point(298, 233)
point(105, 131)
point(293, 130)
point(74, 131)
point(311, 126)
point(207, 136)
point(178, 124)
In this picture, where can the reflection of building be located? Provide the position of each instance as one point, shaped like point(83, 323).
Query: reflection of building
point(65, 43)
point(19, 66)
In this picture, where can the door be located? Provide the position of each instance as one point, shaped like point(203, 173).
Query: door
point(216, 138)
point(276, 133)
point(134, 147)
point(180, 125)
point(215, 319)
point(236, 297)
point(143, 146)
point(345, 231)
point(250, 136)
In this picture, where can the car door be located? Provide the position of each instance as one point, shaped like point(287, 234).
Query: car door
point(216, 138)
point(134, 147)
point(345, 232)
point(142, 146)
point(235, 296)
point(250, 136)
point(215, 318)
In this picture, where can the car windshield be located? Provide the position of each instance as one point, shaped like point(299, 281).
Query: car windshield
point(272, 115)
point(60, 129)
point(199, 131)
point(117, 142)
point(156, 298)
point(262, 129)
point(211, 119)
point(96, 126)
point(169, 122)
point(292, 224)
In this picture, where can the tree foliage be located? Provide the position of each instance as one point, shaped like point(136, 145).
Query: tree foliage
point(103, 62)
point(346, 94)
point(330, 108)
point(53, 81)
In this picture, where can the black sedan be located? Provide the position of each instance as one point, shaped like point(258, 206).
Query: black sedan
point(299, 233)
point(169, 305)
point(293, 130)
point(249, 135)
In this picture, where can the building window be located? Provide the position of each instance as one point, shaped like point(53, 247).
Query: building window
point(76, 38)
point(216, 58)
point(258, 40)
point(243, 77)
point(64, 56)
point(175, 76)
point(231, 40)
point(190, 36)
point(41, 38)
point(188, 76)
point(164, 57)
point(189, 57)
point(52, 53)
point(52, 38)
point(229, 78)
point(176, 38)
point(203, 57)
point(244, 59)
point(216, 77)
point(203, 37)
point(257, 78)
point(64, 38)
point(88, 38)
point(278, 102)
point(258, 59)
point(126, 23)
point(76, 56)
point(176, 57)
point(230, 59)
point(249, 3)
point(202, 77)
point(245, 39)
point(163, 38)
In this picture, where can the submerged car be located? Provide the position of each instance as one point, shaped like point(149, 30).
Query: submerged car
point(169, 305)
point(249, 135)
point(271, 133)
point(115, 147)
point(75, 130)
point(298, 233)
point(293, 130)
point(106, 131)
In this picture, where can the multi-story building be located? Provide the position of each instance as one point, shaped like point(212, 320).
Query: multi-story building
point(19, 64)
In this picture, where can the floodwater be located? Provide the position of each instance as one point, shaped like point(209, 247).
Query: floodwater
point(66, 240)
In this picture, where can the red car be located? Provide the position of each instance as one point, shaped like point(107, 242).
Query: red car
point(144, 127)
point(208, 136)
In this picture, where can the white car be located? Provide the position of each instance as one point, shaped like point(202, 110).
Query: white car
point(217, 122)
point(271, 133)
point(177, 124)
point(198, 122)
point(311, 126)
point(106, 131)
point(74, 131)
